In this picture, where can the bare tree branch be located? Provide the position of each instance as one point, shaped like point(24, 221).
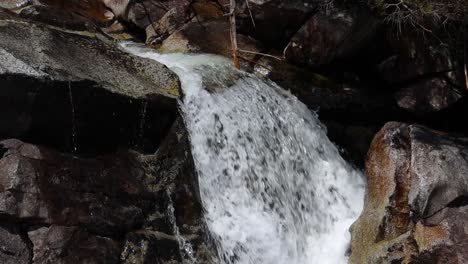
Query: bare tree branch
point(233, 30)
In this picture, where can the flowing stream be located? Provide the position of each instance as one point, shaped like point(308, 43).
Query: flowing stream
point(274, 188)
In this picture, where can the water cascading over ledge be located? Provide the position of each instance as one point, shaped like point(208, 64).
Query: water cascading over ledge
point(274, 188)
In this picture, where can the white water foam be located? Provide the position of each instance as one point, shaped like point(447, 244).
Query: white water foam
point(274, 188)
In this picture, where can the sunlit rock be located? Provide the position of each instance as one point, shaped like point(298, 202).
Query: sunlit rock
point(416, 200)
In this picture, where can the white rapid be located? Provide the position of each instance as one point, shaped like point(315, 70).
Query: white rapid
point(275, 189)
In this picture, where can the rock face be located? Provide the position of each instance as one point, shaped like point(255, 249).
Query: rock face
point(115, 208)
point(208, 37)
point(71, 192)
point(178, 209)
point(276, 21)
point(59, 87)
point(14, 246)
point(75, 193)
point(326, 38)
point(70, 245)
point(416, 202)
point(429, 95)
point(414, 57)
point(146, 12)
point(70, 57)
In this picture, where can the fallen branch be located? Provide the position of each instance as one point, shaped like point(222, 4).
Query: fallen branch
point(259, 53)
point(233, 31)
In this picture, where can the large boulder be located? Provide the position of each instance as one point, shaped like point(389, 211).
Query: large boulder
point(72, 245)
point(63, 56)
point(416, 203)
point(146, 12)
point(14, 4)
point(428, 72)
point(63, 17)
point(208, 37)
point(116, 208)
point(58, 87)
point(414, 56)
point(275, 21)
point(328, 37)
point(106, 194)
point(175, 233)
point(14, 248)
point(428, 95)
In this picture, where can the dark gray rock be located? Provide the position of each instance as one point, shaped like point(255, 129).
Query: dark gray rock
point(14, 4)
point(108, 195)
point(325, 38)
point(416, 201)
point(70, 91)
point(72, 245)
point(146, 12)
point(35, 49)
point(428, 95)
point(58, 16)
point(209, 37)
point(14, 248)
point(415, 57)
point(276, 21)
point(177, 218)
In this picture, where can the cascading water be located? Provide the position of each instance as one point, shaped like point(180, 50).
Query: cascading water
point(274, 188)
point(185, 248)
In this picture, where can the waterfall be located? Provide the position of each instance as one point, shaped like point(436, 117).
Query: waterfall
point(274, 188)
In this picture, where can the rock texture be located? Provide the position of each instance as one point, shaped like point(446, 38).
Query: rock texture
point(327, 38)
point(14, 246)
point(116, 208)
point(106, 195)
point(63, 56)
point(416, 201)
point(208, 37)
point(72, 245)
point(71, 191)
point(429, 95)
point(276, 21)
point(59, 87)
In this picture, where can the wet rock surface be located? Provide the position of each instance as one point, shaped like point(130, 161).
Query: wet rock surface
point(64, 56)
point(71, 190)
point(416, 202)
point(106, 209)
point(64, 89)
point(60, 244)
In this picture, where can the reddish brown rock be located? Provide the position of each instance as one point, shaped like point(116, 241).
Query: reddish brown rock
point(208, 37)
point(416, 202)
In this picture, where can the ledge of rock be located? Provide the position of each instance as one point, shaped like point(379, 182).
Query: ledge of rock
point(78, 93)
point(416, 203)
point(59, 208)
point(32, 48)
